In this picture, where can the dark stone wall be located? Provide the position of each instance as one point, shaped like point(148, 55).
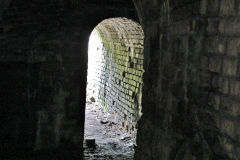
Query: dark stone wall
point(43, 65)
point(190, 93)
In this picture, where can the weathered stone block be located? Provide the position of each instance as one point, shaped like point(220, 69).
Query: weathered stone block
point(224, 87)
point(227, 7)
point(214, 101)
point(233, 47)
point(216, 82)
point(235, 88)
point(204, 62)
point(180, 28)
point(230, 67)
point(227, 127)
point(213, 7)
point(203, 7)
point(215, 45)
point(215, 64)
point(229, 106)
point(229, 26)
point(212, 27)
point(235, 110)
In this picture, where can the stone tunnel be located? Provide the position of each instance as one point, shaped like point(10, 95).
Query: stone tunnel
point(172, 76)
point(115, 69)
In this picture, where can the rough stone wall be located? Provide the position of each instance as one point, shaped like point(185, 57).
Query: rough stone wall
point(190, 94)
point(40, 95)
point(117, 83)
point(43, 64)
point(220, 70)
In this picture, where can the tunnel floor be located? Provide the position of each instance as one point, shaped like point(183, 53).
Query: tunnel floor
point(112, 141)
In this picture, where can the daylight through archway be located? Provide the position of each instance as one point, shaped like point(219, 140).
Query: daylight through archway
point(114, 86)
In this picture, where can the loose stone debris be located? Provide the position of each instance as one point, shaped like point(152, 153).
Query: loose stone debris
point(112, 141)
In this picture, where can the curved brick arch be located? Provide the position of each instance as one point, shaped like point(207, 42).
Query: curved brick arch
point(123, 27)
point(119, 72)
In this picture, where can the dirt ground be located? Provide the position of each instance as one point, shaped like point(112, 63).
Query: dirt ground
point(112, 141)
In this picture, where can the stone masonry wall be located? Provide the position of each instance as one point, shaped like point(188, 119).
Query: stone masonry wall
point(191, 84)
point(117, 83)
point(40, 107)
point(220, 68)
point(43, 64)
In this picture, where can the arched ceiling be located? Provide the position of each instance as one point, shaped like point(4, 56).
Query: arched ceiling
point(119, 28)
point(120, 31)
